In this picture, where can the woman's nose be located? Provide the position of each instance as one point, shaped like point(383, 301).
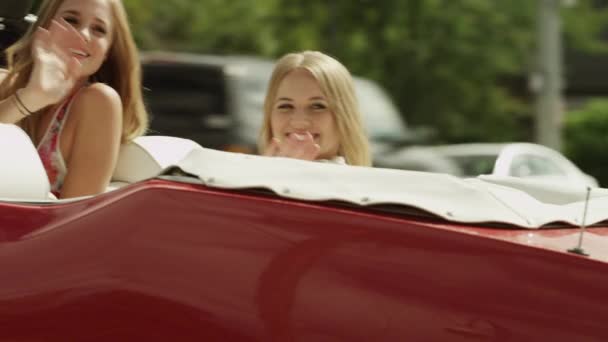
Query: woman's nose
point(85, 33)
point(300, 119)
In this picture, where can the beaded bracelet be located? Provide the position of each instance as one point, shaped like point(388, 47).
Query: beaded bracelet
point(21, 106)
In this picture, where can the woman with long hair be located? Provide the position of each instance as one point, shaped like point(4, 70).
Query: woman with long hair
point(74, 85)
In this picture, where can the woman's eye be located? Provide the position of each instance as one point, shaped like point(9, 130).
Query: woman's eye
point(71, 20)
point(284, 106)
point(319, 106)
point(100, 29)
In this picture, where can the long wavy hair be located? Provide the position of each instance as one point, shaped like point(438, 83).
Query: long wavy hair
point(121, 70)
point(337, 85)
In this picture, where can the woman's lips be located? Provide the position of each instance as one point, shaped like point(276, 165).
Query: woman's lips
point(79, 54)
point(302, 136)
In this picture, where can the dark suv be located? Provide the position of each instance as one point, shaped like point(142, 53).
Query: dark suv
point(214, 100)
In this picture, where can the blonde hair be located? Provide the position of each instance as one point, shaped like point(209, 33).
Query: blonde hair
point(121, 70)
point(337, 85)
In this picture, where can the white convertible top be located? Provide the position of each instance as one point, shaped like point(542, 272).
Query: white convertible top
point(506, 200)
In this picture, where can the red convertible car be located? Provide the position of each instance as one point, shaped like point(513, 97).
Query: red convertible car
point(193, 244)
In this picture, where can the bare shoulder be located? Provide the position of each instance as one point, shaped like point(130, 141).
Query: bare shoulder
point(97, 103)
point(97, 109)
point(98, 96)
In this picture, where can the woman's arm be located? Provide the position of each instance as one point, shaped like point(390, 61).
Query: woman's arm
point(9, 112)
point(13, 111)
point(54, 73)
point(97, 110)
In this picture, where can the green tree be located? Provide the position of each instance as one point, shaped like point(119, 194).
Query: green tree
point(210, 26)
point(586, 139)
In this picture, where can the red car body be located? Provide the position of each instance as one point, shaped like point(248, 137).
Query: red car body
point(165, 260)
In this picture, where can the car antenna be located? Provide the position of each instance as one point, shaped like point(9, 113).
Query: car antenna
point(579, 249)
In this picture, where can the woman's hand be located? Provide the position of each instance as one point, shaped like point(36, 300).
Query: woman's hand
point(56, 69)
point(296, 145)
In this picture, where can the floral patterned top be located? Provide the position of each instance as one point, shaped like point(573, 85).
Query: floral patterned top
point(49, 148)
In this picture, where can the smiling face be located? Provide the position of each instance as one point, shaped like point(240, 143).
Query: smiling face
point(300, 107)
point(93, 20)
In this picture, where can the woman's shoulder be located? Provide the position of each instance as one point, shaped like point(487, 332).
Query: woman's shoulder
point(98, 97)
point(96, 112)
point(98, 94)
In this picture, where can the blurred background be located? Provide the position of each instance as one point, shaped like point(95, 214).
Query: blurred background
point(444, 85)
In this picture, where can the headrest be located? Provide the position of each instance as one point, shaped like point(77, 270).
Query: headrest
point(22, 175)
point(145, 157)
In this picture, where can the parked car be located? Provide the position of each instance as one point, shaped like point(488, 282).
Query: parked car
point(217, 101)
point(214, 100)
point(290, 250)
point(524, 160)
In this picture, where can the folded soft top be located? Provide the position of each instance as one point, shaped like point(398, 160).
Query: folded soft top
point(483, 199)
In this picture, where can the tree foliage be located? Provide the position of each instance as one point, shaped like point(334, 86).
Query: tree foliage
point(586, 139)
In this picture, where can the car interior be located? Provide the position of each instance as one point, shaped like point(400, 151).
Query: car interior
point(23, 178)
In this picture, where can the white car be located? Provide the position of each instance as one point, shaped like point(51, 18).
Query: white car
point(525, 160)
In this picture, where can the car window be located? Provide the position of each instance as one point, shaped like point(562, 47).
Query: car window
point(182, 90)
point(188, 101)
point(381, 118)
point(530, 165)
point(475, 165)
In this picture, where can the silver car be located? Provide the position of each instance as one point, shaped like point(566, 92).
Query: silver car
point(524, 160)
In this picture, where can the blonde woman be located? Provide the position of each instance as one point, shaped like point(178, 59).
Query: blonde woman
point(73, 84)
point(311, 112)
